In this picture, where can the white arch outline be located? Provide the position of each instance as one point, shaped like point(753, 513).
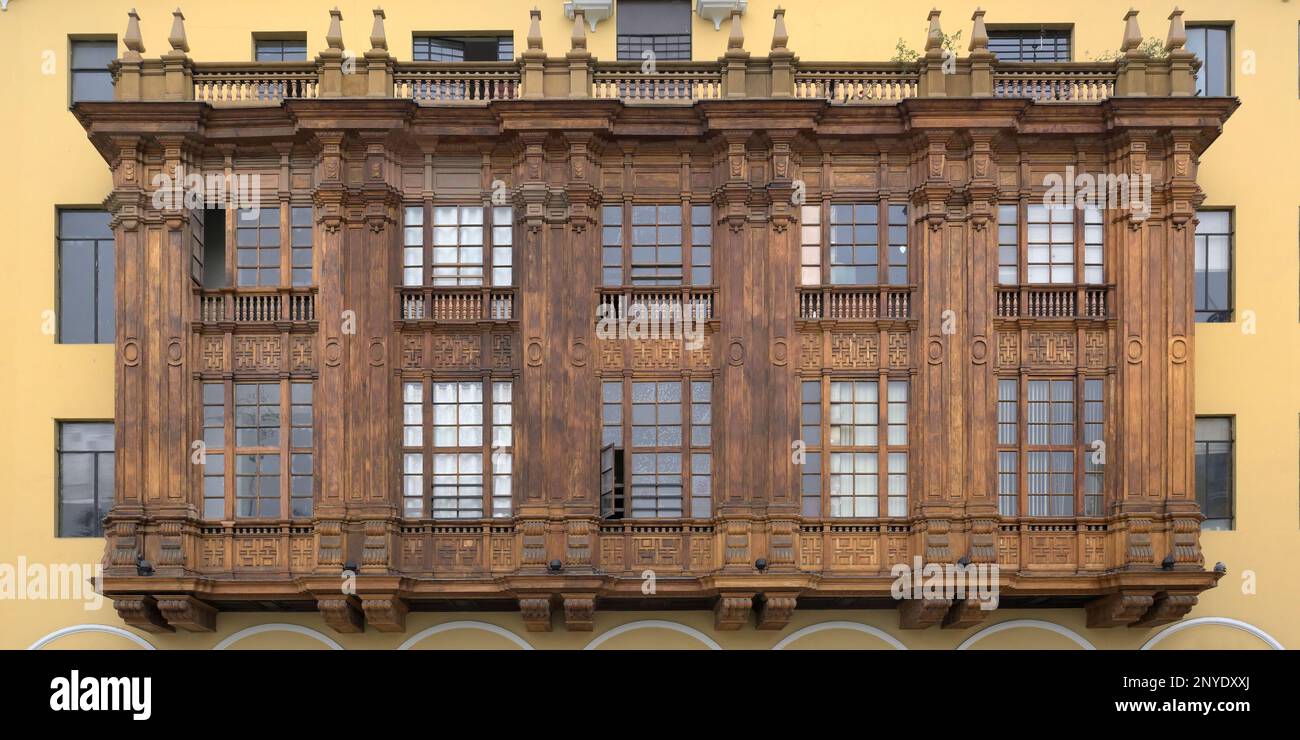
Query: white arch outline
point(650, 624)
point(258, 629)
point(79, 628)
point(465, 624)
point(1010, 624)
point(1236, 624)
point(840, 625)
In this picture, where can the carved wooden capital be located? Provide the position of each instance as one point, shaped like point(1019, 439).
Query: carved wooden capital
point(774, 612)
point(965, 613)
point(917, 614)
point(385, 613)
point(579, 612)
point(1166, 609)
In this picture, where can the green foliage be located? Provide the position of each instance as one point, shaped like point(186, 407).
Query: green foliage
point(904, 54)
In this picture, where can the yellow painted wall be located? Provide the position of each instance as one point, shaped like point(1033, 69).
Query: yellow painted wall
point(46, 161)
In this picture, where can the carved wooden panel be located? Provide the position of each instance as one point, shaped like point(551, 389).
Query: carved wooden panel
point(455, 352)
point(257, 552)
point(656, 354)
point(1050, 349)
point(214, 353)
point(898, 349)
point(858, 350)
point(257, 353)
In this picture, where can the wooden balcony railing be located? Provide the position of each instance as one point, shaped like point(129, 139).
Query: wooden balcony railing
point(1054, 82)
point(695, 304)
point(855, 304)
point(256, 305)
point(854, 82)
point(455, 304)
point(456, 82)
point(1053, 302)
point(670, 82)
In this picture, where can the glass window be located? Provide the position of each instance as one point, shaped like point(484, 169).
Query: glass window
point(300, 242)
point(85, 451)
point(91, 79)
point(466, 436)
point(490, 48)
point(1214, 471)
point(662, 27)
point(855, 244)
point(670, 454)
point(854, 449)
point(457, 242)
point(1030, 45)
point(257, 247)
point(257, 450)
point(1213, 261)
point(1050, 244)
point(86, 268)
point(1211, 46)
point(701, 245)
point(810, 250)
point(280, 50)
point(656, 245)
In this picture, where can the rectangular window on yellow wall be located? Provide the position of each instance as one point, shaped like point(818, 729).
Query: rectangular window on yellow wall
point(85, 452)
point(91, 80)
point(86, 266)
point(1214, 471)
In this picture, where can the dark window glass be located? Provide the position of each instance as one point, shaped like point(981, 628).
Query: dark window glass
point(280, 50)
point(855, 244)
point(1214, 489)
point(85, 477)
point(300, 242)
point(91, 79)
point(1025, 45)
point(1213, 266)
point(660, 26)
point(85, 277)
point(1210, 45)
point(656, 245)
point(463, 48)
point(257, 247)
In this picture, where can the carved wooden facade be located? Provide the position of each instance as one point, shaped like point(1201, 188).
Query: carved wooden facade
point(951, 330)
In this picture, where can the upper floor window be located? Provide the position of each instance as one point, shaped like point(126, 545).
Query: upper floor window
point(1214, 471)
point(454, 436)
point(257, 247)
point(1212, 45)
point(1063, 245)
point(85, 452)
point(485, 48)
point(650, 240)
point(85, 277)
point(662, 27)
point(849, 444)
point(250, 430)
point(1046, 451)
point(1030, 45)
point(1213, 261)
point(91, 79)
point(851, 244)
point(453, 245)
point(663, 432)
point(280, 48)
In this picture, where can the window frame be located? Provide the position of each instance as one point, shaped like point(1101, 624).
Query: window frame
point(1231, 310)
point(77, 38)
point(488, 245)
point(1080, 446)
point(687, 449)
point(59, 452)
point(1024, 31)
point(428, 36)
point(884, 246)
point(1079, 248)
point(1228, 27)
point(1231, 520)
point(686, 243)
point(883, 449)
point(280, 37)
point(59, 240)
point(232, 450)
point(629, 46)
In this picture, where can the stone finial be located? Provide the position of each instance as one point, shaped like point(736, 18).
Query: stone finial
point(979, 36)
point(378, 41)
point(535, 29)
point(578, 40)
point(334, 36)
point(1177, 38)
point(934, 36)
point(177, 37)
point(780, 37)
point(737, 38)
point(134, 43)
point(1132, 34)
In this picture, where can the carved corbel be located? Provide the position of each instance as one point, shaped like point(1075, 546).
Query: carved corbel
point(732, 611)
point(341, 612)
point(537, 613)
point(579, 612)
point(188, 613)
point(142, 613)
point(966, 613)
point(1166, 609)
point(385, 613)
point(775, 611)
point(1117, 610)
point(917, 614)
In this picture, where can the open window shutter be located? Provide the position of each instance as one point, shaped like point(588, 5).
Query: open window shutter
point(607, 480)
